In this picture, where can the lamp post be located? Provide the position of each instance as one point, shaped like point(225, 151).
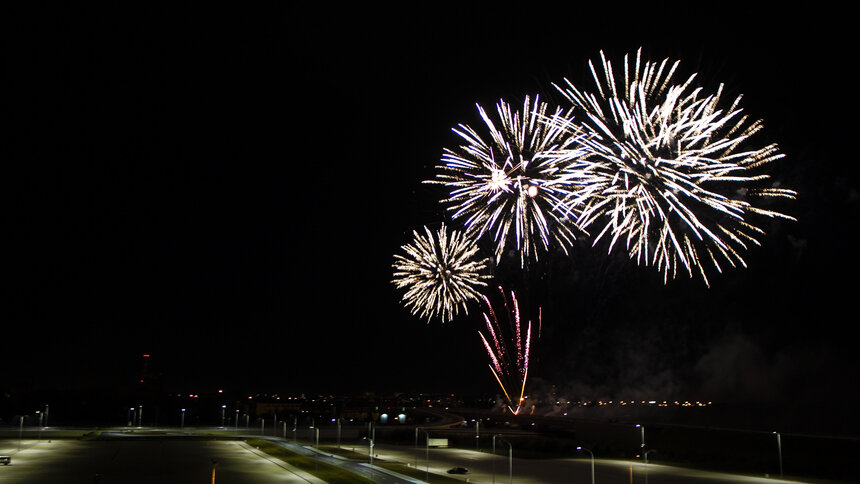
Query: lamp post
point(646, 464)
point(779, 451)
point(510, 461)
point(223, 411)
point(592, 462)
point(317, 435)
point(477, 435)
point(236, 422)
point(182, 421)
point(140, 415)
point(284, 422)
point(20, 431)
point(426, 451)
point(642, 445)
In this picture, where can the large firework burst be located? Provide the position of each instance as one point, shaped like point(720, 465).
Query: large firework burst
point(511, 184)
point(510, 366)
point(669, 173)
point(440, 274)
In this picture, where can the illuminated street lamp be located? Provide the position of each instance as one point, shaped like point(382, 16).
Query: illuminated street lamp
point(592, 462)
point(182, 421)
point(223, 410)
point(642, 445)
point(779, 450)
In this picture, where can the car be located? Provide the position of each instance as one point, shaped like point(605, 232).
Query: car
point(5, 459)
point(458, 470)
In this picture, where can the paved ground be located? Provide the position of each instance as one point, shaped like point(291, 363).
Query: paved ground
point(483, 467)
point(143, 462)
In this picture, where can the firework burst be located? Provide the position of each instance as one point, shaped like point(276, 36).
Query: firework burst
point(510, 185)
point(669, 173)
point(440, 274)
point(510, 366)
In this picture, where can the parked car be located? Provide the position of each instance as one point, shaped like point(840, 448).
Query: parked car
point(5, 459)
point(458, 470)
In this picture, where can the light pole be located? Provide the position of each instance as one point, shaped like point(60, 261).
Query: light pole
point(20, 431)
point(236, 422)
point(223, 411)
point(426, 451)
point(592, 462)
point(642, 445)
point(510, 461)
point(493, 460)
point(131, 416)
point(779, 450)
point(140, 415)
point(338, 432)
point(646, 465)
point(182, 421)
point(477, 435)
point(317, 435)
point(284, 422)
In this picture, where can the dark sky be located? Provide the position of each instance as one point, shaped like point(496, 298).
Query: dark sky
point(224, 188)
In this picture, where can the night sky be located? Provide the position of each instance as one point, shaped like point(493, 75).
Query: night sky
point(224, 189)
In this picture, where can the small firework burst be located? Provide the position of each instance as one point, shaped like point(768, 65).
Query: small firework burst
point(510, 185)
point(509, 351)
point(440, 274)
point(668, 172)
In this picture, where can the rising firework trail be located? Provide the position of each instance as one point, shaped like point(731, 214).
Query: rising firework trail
point(669, 172)
point(509, 183)
point(440, 274)
point(509, 350)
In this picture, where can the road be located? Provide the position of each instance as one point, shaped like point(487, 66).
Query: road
point(169, 460)
point(483, 467)
point(136, 461)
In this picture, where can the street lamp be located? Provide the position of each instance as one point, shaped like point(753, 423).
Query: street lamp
point(140, 415)
point(427, 451)
point(223, 410)
point(592, 461)
point(779, 450)
point(317, 434)
point(642, 445)
point(646, 464)
point(236, 422)
point(182, 421)
point(510, 462)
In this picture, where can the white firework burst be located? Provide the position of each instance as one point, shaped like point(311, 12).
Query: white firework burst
point(669, 173)
point(510, 183)
point(441, 274)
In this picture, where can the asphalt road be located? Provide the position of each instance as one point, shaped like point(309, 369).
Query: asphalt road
point(483, 467)
point(136, 461)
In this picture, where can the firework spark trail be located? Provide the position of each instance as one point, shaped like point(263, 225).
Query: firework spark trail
point(666, 172)
point(513, 186)
point(440, 274)
point(509, 371)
